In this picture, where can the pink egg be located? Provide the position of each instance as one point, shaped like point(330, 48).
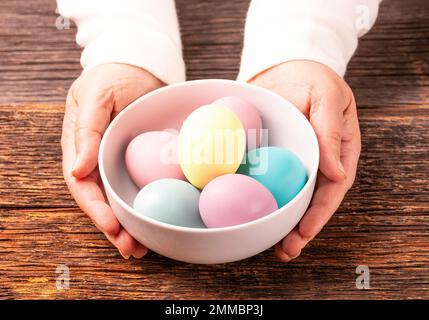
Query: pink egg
point(249, 117)
point(234, 199)
point(153, 155)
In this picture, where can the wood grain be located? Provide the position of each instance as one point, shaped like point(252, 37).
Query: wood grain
point(383, 222)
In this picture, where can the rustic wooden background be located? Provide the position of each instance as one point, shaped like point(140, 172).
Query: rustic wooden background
point(383, 223)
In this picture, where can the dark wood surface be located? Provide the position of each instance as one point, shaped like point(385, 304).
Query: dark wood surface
point(383, 222)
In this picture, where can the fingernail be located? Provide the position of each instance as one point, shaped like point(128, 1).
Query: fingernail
point(76, 162)
point(341, 168)
point(138, 256)
point(295, 256)
point(124, 256)
point(289, 258)
point(111, 240)
point(141, 254)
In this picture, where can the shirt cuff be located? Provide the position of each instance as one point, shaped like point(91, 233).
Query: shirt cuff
point(310, 43)
point(132, 44)
point(143, 33)
point(316, 30)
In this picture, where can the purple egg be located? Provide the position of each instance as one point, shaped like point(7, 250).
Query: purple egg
point(249, 117)
point(234, 199)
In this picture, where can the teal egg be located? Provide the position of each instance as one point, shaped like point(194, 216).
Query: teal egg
point(278, 169)
point(171, 201)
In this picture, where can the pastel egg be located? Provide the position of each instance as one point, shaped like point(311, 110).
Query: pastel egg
point(153, 155)
point(212, 142)
point(234, 199)
point(249, 117)
point(171, 201)
point(278, 169)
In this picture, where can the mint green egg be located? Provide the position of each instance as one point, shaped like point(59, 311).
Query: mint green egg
point(278, 169)
point(171, 201)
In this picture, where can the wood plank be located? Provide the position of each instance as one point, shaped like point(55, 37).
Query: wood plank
point(393, 244)
point(39, 62)
point(30, 167)
point(383, 223)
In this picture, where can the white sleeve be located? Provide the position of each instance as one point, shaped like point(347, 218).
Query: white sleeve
point(325, 31)
point(143, 33)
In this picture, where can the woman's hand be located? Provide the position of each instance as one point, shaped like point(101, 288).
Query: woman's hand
point(94, 99)
point(328, 102)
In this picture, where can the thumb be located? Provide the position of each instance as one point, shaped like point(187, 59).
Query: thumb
point(93, 117)
point(327, 120)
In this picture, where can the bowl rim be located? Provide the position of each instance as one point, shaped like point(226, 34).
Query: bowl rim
point(128, 208)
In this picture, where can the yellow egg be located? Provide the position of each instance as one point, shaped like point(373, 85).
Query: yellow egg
point(212, 142)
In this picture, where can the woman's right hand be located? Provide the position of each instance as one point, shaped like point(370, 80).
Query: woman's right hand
point(93, 100)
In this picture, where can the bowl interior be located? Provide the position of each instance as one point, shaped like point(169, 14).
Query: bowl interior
point(168, 107)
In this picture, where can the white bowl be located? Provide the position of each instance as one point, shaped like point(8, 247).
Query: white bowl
point(167, 108)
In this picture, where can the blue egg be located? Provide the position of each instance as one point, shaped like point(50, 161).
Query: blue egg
point(171, 201)
point(278, 169)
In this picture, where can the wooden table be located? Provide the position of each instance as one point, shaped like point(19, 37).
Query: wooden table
point(383, 223)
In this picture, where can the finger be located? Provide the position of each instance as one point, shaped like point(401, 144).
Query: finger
point(93, 118)
point(282, 255)
point(86, 192)
point(127, 245)
point(140, 251)
point(326, 200)
point(91, 199)
point(351, 144)
point(327, 120)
